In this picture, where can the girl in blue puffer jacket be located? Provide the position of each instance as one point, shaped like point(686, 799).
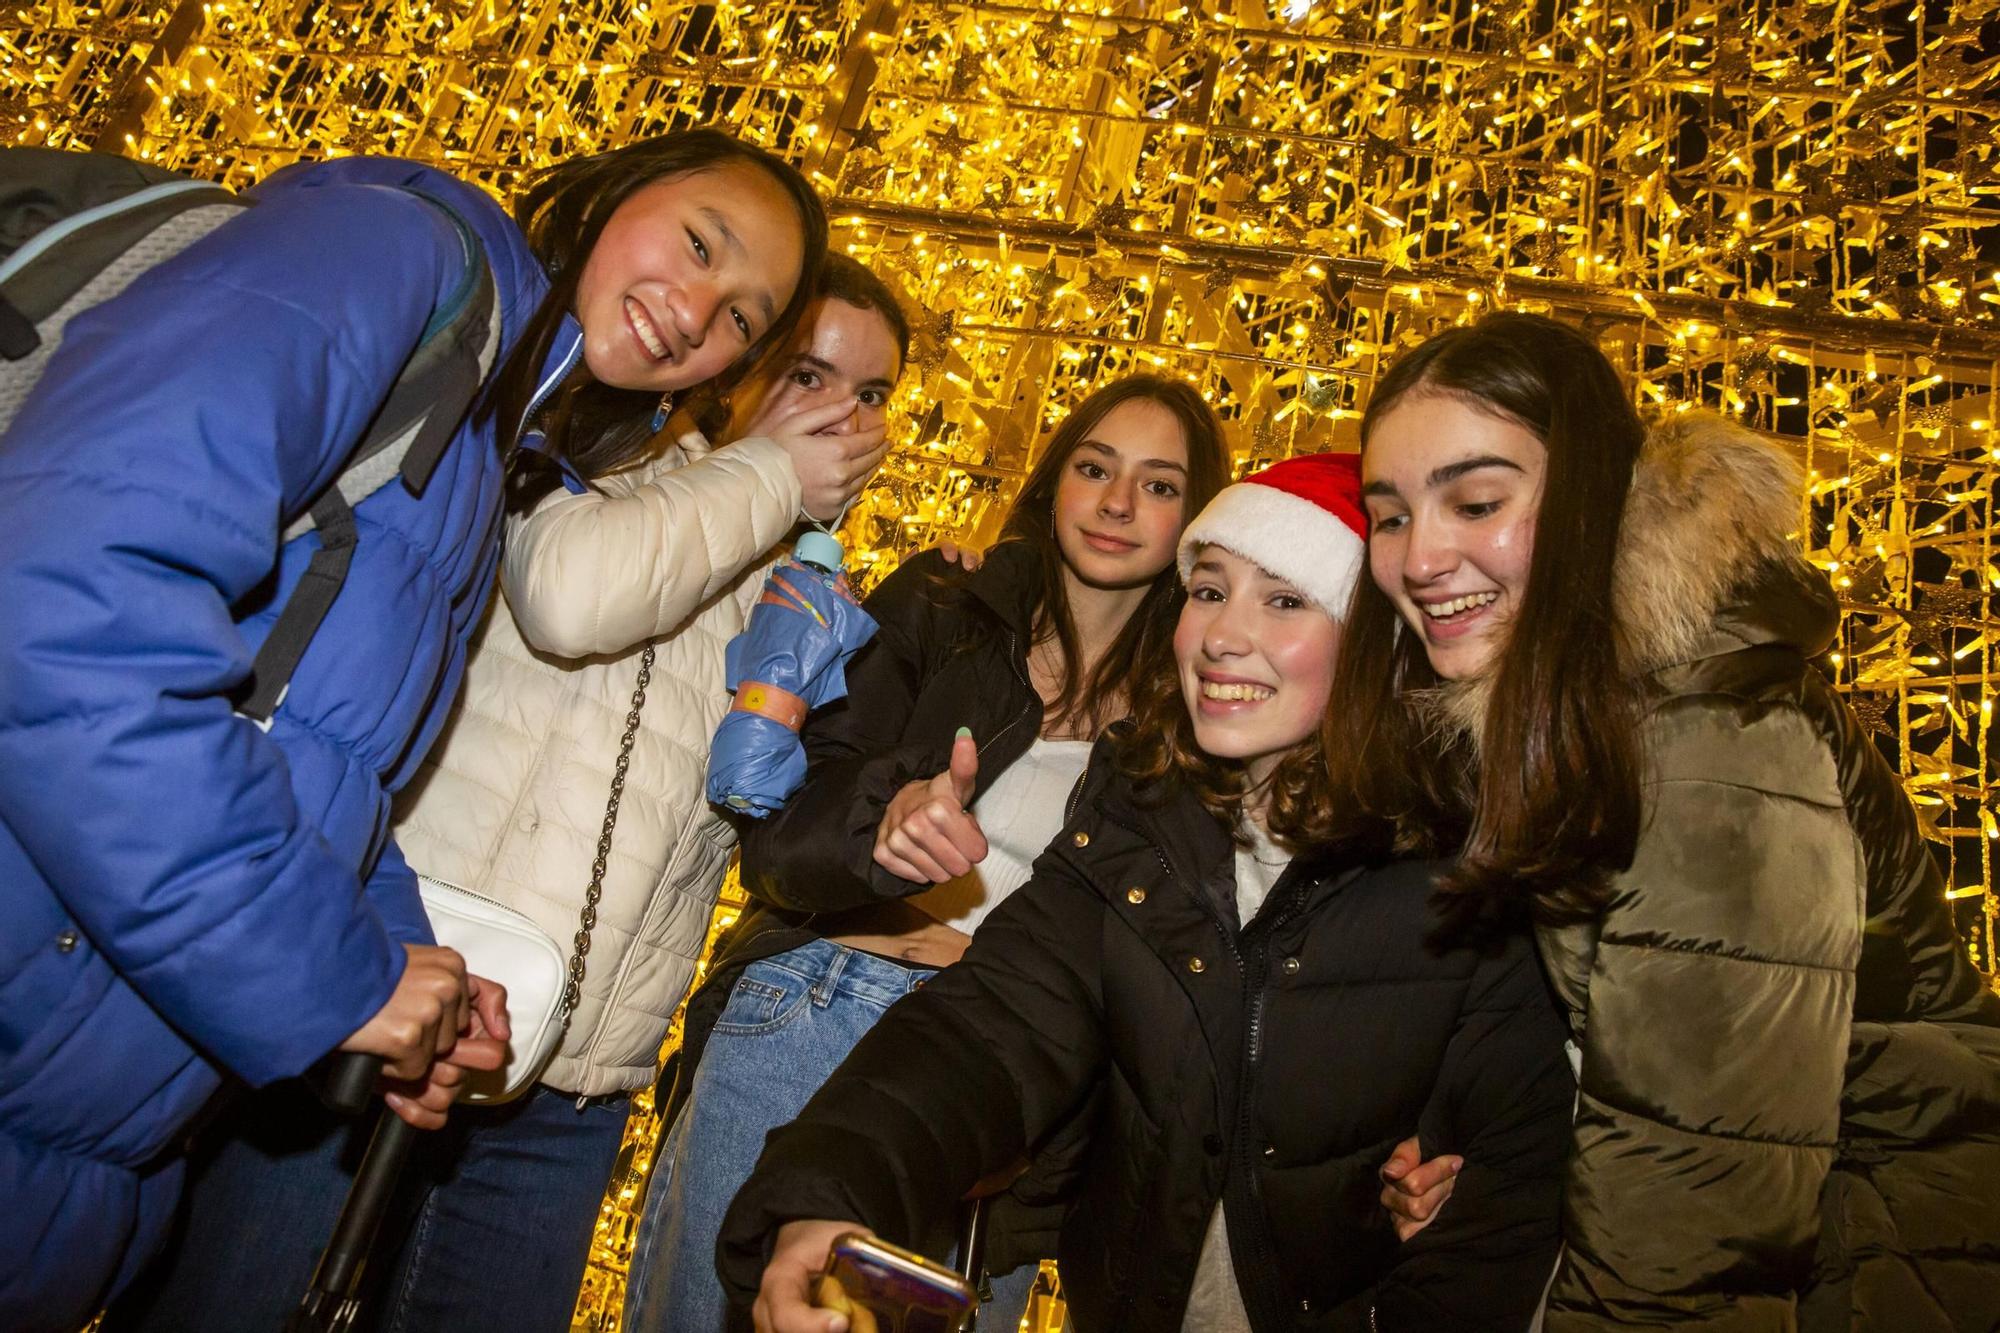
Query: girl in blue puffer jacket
point(186, 895)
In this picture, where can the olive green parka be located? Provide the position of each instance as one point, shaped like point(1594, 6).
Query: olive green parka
point(1789, 1107)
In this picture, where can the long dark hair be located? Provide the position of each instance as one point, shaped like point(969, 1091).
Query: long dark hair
point(1543, 806)
point(1147, 636)
point(597, 427)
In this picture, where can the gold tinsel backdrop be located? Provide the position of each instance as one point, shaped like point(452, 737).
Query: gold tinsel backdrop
point(1785, 209)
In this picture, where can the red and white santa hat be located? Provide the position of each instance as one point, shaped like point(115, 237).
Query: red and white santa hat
point(1301, 520)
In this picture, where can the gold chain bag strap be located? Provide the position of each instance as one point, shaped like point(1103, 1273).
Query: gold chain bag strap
point(587, 919)
point(504, 945)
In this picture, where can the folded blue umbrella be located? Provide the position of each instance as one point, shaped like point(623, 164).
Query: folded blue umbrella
point(790, 659)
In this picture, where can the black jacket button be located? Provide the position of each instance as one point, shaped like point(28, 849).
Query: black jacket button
point(1213, 1144)
point(66, 942)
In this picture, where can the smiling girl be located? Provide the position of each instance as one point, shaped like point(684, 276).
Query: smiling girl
point(1583, 663)
point(930, 790)
point(1251, 1020)
point(675, 265)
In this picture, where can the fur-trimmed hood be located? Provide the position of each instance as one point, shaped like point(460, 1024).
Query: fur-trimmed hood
point(1707, 559)
point(1709, 523)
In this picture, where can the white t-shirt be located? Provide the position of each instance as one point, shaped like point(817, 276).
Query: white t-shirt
point(1216, 1305)
point(1019, 814)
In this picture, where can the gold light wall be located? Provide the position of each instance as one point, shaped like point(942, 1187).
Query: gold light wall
point(1785, 209)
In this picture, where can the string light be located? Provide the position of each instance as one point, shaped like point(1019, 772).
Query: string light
point(1788, 211)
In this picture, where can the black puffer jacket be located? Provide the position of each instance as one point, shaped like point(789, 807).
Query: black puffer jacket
point(1274, 1066)
point(950, 651)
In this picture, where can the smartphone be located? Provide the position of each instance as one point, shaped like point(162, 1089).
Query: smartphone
point(884, 1288)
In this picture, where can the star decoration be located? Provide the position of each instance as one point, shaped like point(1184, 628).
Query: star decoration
point(865, 137)
point(1126, 41)
point(1264, 438)
point(1376, 153)
point(1939, 608)
point(1185, 31)
point(950, 145)
point(863, 180)
point(995, 195)
point(1930, 417)
point(705, 66)
point(1545, 249)
point(1050, 36)
point(1113, 215)
point(1867, 583)
point(965, 73)
point(1871, 711)
point(1319, 393)
point(1102, 291)
point(1301, 196)
point(1046, 281)
point(1754, 369)
point(934, 341)
point(360, 137)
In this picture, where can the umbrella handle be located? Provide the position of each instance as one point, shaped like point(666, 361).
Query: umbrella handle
point(330, 1301)
point(349, 1082)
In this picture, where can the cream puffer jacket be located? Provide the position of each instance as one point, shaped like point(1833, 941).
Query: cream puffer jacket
point(511, 802)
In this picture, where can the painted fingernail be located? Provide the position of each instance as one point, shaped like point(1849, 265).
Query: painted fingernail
point(965, 731)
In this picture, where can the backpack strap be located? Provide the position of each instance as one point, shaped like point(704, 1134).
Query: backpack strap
point(279, 655)
point(408, 436)
point(67, 219)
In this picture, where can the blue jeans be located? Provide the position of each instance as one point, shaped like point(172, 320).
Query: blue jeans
point(788, 1023)
point(494, 1213)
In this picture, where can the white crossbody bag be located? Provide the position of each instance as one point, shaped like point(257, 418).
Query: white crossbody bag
point(503, 945)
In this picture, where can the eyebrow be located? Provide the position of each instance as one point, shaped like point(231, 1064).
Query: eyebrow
point(1444, 476)
point(730, 239)
point(826, 367)
point(1450, 472)
point(1163, 464)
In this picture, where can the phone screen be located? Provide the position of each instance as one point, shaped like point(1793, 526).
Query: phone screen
point(902, 1291)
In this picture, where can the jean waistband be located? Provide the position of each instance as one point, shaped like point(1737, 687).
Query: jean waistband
point(834, 969)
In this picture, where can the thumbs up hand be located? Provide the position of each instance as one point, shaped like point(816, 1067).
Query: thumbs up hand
point(928, 834)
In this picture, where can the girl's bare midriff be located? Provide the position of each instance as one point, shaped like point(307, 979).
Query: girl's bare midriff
point(899, 930)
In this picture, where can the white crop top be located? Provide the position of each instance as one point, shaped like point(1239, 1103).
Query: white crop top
point(1019, 814)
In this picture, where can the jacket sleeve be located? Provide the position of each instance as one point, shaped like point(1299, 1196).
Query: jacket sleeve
point(1720, 1001)
point(143, 485)
point(1914, 962)
point(1503, 1101)
point(631, 560)
point(817, 853)
point(955, 1083)
point(392, 887)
